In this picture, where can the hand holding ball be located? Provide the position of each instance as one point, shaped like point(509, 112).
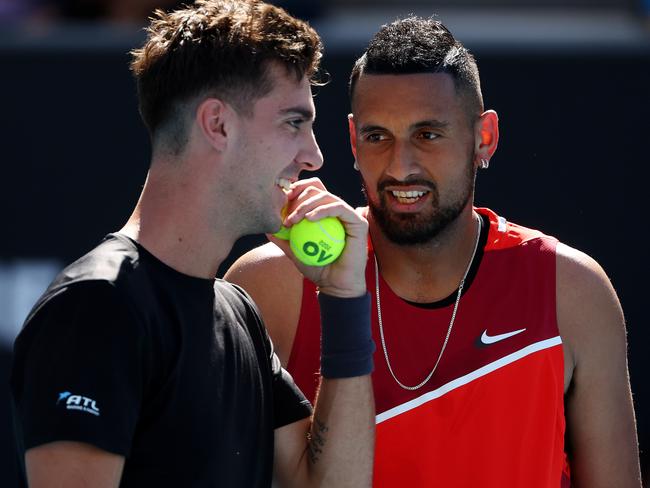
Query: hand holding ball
point(315, 243)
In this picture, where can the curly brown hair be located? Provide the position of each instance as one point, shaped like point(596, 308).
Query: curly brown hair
point(218, 48)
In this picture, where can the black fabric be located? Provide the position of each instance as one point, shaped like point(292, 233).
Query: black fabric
point(174, 372)
point(346, 338)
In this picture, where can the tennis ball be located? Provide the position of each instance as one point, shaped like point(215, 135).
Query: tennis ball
point(317, 243)
point(283, 233)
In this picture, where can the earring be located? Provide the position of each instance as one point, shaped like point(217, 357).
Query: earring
point(355, 165)
point(485, 163)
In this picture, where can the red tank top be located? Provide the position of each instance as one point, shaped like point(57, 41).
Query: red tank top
point(492, 415)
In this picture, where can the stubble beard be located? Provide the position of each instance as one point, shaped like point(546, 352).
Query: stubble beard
point(410, 229)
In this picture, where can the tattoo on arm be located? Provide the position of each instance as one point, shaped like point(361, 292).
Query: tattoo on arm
point(317, 439)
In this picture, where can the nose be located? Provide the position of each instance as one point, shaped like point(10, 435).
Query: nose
point(402, 161)
point(310, 156)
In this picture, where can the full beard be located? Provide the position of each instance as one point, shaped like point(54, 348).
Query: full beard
point(412, 229)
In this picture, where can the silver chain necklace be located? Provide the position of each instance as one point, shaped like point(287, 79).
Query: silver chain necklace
point(451, 322)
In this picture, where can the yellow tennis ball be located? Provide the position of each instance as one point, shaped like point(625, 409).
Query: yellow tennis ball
point(318, 243)
point(283, 233)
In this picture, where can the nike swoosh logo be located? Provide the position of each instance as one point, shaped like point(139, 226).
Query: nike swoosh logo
point(488, 339)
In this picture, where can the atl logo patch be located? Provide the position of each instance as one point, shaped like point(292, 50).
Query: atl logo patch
point(78, 402)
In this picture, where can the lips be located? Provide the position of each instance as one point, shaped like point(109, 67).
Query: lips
point(406, 196)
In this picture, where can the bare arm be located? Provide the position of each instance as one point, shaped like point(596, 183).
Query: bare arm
point(339, 452)
point(336, 447)
point(602, 441)
point(72, 465)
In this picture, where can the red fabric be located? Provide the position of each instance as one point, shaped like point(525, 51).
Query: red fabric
point(502, 428)
point(481, 434)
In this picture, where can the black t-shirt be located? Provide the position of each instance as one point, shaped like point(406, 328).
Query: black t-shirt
point(173, 372)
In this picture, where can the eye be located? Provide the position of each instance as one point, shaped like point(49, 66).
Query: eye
point(375, 137)
point(296, 123)
point(428, 135)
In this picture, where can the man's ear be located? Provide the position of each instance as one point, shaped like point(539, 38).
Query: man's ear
point(214, 120)
point(486, 135)
point(353, 135)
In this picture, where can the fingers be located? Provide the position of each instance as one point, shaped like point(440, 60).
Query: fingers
point(355, 224)
point(299, 186)
point(316, 203)
point(300, 190)
point(303, 197)
point(363, 211)
point(309, 199)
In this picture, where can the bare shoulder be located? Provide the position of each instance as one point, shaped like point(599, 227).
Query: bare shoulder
point(276, 287)
point(590, 317)
point(598, 402)
point(265, 272)
point(264, 260)
point(584, 290)
point(577, 268)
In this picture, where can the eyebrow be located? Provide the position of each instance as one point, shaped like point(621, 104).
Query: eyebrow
point(436, 124)
point(370, 128)
point(303, 112)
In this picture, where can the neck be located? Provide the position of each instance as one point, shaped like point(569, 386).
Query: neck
point(432, 271)
point(171, 221)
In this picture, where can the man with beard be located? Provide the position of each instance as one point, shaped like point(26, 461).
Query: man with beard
point(137, 368)
point(498, 342)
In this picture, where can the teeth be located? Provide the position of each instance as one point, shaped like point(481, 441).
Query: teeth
point(284, 184)
point(407, 194)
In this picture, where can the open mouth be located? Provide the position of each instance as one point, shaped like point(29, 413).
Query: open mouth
point(408, 197)
point(284, 184)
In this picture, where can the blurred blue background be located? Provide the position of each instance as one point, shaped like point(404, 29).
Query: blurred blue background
point(569, 79)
